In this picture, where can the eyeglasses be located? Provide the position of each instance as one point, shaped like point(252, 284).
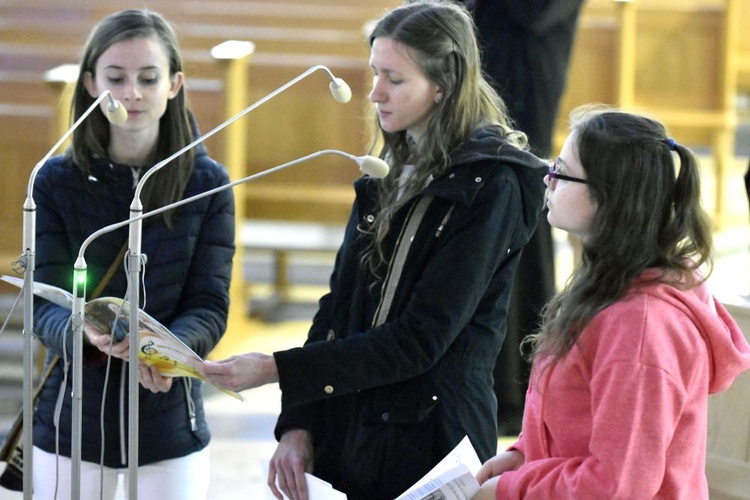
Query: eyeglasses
point(554, 176)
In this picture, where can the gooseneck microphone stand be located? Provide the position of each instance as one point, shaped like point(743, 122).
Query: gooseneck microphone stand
point(375, 167)
point(28, 263)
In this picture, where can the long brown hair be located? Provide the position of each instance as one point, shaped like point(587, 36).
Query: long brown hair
point(649, 216)
point(91, 138)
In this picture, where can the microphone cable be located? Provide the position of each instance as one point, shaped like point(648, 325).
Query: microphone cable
point(58, 407)
point(12, 309)
point(123, 376)
point(104, 391)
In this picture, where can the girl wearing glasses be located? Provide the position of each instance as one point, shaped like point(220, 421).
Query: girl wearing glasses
point(631, 348)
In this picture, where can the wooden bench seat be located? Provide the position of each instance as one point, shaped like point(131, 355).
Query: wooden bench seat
point(283, 240)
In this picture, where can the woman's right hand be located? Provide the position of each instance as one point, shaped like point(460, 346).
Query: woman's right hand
point(105, 343)
point(503, 462)
point(292, 458)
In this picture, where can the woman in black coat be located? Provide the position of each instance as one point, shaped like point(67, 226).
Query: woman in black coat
point(397, 367)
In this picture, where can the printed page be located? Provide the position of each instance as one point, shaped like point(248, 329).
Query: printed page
point(54, 294)
point(461, 459)
point(317, 489)
point(457, 483)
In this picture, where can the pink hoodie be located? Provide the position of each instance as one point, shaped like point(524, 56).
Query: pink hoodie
point(624, 413)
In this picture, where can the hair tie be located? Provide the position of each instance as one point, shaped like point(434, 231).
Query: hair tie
point(672, 144)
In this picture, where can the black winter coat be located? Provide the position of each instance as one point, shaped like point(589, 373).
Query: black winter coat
point(186, 281)
point(386, 403)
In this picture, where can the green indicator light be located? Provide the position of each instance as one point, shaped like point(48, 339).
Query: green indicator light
point(79, 283)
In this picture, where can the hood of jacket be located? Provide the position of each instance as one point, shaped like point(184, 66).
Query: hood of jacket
point(729, 352)
point(727, 347)
point(486, 144)
point(484, 154)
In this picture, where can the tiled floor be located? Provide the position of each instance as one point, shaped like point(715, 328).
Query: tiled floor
point(243, 440)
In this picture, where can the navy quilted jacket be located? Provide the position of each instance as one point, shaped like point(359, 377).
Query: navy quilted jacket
point(186, 281)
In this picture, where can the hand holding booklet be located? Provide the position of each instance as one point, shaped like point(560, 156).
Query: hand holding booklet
point(157, 345)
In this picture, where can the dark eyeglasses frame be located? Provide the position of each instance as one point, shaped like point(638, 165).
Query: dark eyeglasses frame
point(552, 174)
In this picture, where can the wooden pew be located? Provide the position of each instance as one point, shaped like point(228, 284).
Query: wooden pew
point(728, 457)
point(672, 59)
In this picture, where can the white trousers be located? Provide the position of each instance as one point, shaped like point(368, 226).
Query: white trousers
point(184, 478)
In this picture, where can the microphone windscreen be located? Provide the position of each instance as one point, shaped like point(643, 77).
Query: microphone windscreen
point(340, 90)
point(374, 167)
point(116, 113)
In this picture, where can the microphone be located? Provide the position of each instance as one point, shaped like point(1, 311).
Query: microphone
point(372, 166)
point(28, 264)
point(116, 112)
point(340, 90)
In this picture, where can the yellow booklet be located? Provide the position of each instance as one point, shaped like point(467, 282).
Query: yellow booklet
point(157, 346)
